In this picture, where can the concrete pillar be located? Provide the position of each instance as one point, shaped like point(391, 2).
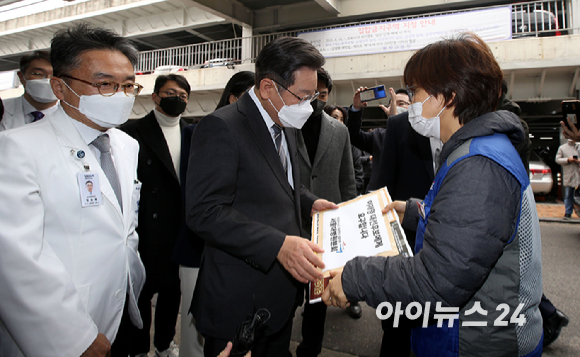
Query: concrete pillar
point(247, 34)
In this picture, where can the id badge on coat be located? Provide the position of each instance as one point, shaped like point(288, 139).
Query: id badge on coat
point(90, 189)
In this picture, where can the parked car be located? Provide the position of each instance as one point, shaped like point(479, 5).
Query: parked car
point(540, 175)
point(527, 21)
point(169, 69)
point(221, 62)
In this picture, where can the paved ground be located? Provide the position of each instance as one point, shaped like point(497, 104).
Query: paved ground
point(345, 337)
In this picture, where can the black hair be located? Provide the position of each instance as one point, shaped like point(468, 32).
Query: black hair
point(27, 59)
point(281, 58)
point(402, 91)
point(162, 79)
point(324, 77)
point(237, 85)
point(330, 108)
point(1, 109)
point(86, 183)
point(69, 44)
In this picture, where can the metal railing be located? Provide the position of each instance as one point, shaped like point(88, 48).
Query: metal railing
point(535, 18)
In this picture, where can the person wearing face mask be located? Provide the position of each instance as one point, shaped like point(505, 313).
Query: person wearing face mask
point(69, 267)
point(189, 246)
point(244, 198)
point(401, 100)
point(326, 169)
point(161, 212)
point(478, 238)
point(38, 99)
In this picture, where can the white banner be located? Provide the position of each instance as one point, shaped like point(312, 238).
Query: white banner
point(491, 25)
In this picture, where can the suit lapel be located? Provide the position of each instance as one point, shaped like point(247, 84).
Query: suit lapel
point(79, 153)
point(261, 135)
point(302, 148)
point(424, 146)
point(125, 165)
point(326, 134)
point(152, 135)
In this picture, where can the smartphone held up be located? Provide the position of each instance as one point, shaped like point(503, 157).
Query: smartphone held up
point(571, 109)
point(373, 93)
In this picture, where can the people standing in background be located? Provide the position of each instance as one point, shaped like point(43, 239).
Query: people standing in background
point(70, 271)
point(161, 212)
point(340, 114)
point(326, 170)
point(400, 98)
point(236, 86)
point(189, 246)
point(567, 157)
point(38, 99)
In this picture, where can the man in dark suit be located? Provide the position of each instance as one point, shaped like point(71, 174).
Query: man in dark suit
point(161, 211)
point(371, 142)
point(407, 170)
point(245, 199)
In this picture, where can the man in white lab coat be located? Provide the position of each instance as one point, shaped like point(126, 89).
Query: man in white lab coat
point(69, 266)
point(38, 100)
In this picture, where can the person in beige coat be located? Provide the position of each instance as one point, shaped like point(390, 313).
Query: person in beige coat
point(567, 156)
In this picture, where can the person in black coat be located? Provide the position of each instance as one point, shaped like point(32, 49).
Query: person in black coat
point(161, 210)
point(371, 142)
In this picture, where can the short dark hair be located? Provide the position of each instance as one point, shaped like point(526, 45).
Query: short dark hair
point(324, 77)
point(330, 108)
point(402, 91)
point(237, 85)
point(162, 79)
point(281, 58)
point(461, 69)
point(27, 59)
point(67, 46)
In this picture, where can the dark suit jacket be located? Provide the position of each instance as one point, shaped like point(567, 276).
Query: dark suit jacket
point(407, 164)
point(161, 209)
point(239, 200)
point(370, 142)
point(189, 245)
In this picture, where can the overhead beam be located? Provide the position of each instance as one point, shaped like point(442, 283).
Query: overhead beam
point(231, 10)
point(574, 81)
point(199, 34)
point(331, 6)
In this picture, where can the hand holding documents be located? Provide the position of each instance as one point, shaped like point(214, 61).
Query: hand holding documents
point(356, 228)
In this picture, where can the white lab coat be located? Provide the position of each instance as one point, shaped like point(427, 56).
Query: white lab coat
point(13, 113)
point(14, 116)
point(64, 269)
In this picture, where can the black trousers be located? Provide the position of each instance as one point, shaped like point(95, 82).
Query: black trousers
point(275, 345)
point(120, 347)
point(312, 329)
point(396, 340)
point(133, 341)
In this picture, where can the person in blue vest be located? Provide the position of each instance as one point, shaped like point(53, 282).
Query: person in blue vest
point(476, 277)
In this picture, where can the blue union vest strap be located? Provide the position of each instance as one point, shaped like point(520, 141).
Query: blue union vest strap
point(496, 147)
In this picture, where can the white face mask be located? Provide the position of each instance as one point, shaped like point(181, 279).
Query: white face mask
point(293, 116)
point(106, 112)
point(430, 128)
point(40, 90)
point(401, 110)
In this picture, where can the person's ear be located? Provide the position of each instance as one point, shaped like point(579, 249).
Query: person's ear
point(57, 87)
point(266, 87)
point(155, 98)
point(232, 99)
point(21, 77)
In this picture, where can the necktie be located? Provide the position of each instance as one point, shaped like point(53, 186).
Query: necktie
point(278, 139)
point(37, 115)
point(104, 145)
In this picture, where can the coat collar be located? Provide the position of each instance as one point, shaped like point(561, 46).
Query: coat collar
point(152, 135)
point(327, 124)
point(261, 134)
point(81, 156)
